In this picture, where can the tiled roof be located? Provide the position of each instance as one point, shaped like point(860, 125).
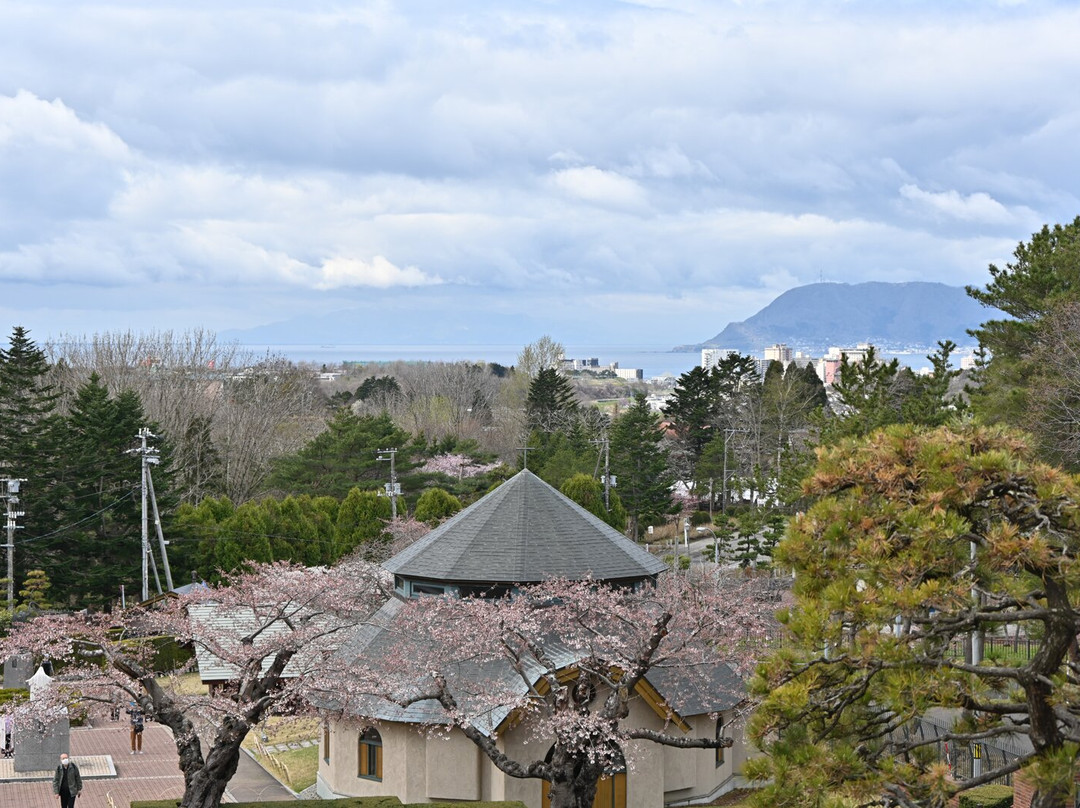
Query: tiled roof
point(524, 532)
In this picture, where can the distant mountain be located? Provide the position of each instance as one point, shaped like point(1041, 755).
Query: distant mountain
point(889, 315)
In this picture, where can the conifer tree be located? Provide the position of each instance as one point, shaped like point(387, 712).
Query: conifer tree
point(639, 460)
point(98, 495)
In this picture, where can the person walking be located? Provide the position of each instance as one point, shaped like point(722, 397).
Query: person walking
point(67, 782)
point(137, 725)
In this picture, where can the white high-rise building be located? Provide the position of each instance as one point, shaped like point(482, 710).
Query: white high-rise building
point(711, 357)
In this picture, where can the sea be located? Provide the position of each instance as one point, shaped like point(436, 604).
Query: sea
point(654, 361)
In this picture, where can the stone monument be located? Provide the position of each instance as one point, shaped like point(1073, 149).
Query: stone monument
point(17, 670)
point(38, 741)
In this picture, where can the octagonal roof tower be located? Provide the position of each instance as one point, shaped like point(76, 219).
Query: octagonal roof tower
point(523, 532)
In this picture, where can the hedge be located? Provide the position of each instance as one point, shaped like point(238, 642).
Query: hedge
point(989, 796)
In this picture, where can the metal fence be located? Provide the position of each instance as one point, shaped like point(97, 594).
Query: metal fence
point(995, 752)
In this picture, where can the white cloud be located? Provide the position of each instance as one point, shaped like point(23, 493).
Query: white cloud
point(975, 207)
point(28, 121)
point(600, 187)
point(336, 273)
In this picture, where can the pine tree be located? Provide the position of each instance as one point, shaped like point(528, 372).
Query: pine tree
point(27, 402)
point(551, 405)
point(99, 515)
point(27, 447)
point(344, 456)
point(639, 461)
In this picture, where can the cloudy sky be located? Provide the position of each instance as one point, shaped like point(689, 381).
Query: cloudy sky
point(607, 172)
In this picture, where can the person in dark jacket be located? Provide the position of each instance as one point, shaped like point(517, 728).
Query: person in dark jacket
point(67, 782)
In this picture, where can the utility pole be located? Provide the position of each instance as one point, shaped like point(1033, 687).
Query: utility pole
point(11, 499)
point(728, 432)
point(609, 481)
point(393, 490)
point(157, 527)
point(149, 456)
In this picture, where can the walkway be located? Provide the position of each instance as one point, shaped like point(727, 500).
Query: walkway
point(152, 775)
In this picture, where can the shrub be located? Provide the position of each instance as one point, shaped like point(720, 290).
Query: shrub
point(700, 518)
point(989, 796)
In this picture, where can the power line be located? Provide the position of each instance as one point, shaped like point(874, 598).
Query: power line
point(91, 517)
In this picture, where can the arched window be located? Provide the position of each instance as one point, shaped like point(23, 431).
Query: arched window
point(326, 742)
point(719, 736)
point(369, 754)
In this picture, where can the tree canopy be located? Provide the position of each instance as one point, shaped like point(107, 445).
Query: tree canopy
point(917, 540)
point(1043, 276)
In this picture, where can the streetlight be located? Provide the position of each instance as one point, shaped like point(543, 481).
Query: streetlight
point(716, 544)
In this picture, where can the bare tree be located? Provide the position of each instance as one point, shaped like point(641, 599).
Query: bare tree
point(226, 411)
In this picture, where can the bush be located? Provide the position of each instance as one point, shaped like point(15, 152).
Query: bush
point(684, 561)
point(990, 796)
point(434, 505)
point(700, 518)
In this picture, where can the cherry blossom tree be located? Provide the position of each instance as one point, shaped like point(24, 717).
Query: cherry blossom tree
point(488, 659)
point(266, 630)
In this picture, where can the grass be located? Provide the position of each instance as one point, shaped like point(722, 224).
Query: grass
point(187, 684)
point(286, 729)
point(294, 767)
point(300, 766)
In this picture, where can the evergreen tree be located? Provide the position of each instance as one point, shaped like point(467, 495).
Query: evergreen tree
point(870, 395)
point(551, 405)
point(100, 511)
point(1044, 275)
point(435, 505)
point(692, 409)
point(27, 402)
point(588, 492)
point(639, 461)
point(35, 591)
point(344, 456)
point(361, 523)
point(929, 403)
point(27, 422)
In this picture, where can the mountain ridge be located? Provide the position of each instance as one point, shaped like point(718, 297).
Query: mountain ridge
point(813, 317)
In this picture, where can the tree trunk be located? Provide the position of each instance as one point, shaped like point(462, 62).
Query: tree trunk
point(1046, 798)
point(576, 793)
point(573, 779)
point(206, 786)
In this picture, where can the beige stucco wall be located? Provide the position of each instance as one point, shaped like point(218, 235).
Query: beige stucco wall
point(404, 762)
point(419, 768)
point(453, 767)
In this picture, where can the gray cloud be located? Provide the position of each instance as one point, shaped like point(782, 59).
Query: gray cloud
point(674, 162)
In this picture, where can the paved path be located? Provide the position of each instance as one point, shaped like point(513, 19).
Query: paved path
point(253, 783)
point(152, 775)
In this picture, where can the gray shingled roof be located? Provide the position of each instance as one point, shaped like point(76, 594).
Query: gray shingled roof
point(524, 532)
point(712, 689)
